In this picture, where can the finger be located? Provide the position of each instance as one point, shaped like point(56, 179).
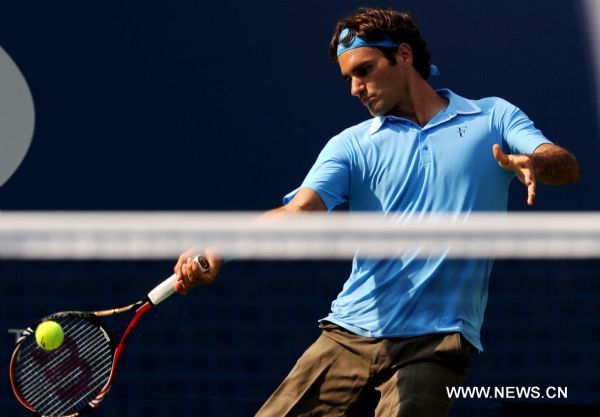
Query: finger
point(530, 183)
point(190, 266)
point(499, 156)
point(180, 261)
point(531, 187)
point(180, 288)
point(193, 266)
point(185, 276)
point(202, 277)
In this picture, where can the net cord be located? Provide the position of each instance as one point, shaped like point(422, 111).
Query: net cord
point(164, 235)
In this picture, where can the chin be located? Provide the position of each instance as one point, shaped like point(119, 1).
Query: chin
point(377, 110)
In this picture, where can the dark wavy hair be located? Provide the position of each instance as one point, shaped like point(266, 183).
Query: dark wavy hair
point(375, 23)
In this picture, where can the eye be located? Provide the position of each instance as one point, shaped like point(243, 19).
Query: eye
point(362, 71)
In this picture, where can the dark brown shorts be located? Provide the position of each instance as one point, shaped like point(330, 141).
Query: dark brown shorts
point(343, 374)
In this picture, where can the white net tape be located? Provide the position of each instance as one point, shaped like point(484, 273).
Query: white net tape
point(164, 235)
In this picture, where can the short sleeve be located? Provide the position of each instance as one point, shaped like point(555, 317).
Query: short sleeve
point(519, 134)
point(330, 175)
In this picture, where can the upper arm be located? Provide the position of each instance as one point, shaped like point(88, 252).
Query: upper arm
point(553, 164)
point(328, 181)
point(304, 199)
point(518, 131)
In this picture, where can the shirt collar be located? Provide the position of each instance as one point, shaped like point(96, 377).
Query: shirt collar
point(376, 124)
point(456, 105)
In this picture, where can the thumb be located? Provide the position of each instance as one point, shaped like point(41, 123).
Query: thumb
point(499, 156)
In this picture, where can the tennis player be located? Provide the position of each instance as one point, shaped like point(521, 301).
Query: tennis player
point(401, 331)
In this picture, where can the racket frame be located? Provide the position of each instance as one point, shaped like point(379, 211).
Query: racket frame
point(141, 307)
point(158, 294)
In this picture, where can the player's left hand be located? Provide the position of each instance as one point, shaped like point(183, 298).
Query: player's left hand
point(522, 166)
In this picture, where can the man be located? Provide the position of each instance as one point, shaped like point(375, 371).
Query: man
point(403, 330)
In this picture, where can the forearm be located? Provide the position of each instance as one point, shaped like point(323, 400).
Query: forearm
point(555, 165)
point(279, 211)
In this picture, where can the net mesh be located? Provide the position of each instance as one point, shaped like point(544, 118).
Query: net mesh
point(224, 349)
point(63, 381)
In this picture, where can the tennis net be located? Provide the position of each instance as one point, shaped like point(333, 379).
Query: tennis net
point(163, 235)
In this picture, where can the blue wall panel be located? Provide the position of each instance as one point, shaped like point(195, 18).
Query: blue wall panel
point(152, 105)
point(139, 103)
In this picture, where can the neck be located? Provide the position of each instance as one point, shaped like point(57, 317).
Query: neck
point(420, 102)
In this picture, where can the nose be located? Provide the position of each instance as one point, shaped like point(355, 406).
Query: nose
point(357, 87)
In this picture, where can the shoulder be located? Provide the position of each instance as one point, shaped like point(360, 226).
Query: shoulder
point(494, 103)
point(347, 143)
point(353, 134)
point(466, 104)
point(485, 106)
point(501, 112)
point(358, 130)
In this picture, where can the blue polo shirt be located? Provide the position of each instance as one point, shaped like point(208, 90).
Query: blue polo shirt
point(391, 164)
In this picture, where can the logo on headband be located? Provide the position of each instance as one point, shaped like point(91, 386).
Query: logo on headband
point(359, 42)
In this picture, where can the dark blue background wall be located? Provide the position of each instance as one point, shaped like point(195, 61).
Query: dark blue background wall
point(139, 103)
point(223, 349)
point(153, 105)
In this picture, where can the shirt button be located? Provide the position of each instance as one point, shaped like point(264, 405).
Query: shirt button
point(425, 147)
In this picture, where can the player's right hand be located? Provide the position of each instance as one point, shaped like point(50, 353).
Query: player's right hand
point(189, 273)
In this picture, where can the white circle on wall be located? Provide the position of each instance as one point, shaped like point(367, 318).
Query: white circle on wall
point(17, 117)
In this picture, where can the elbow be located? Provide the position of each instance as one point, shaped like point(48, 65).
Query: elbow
point(304, 206)
point(305, 200)
point(568, 176)
point(575, 175)
point(562, 169)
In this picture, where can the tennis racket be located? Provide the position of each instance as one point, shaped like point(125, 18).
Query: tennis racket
point(75, 377)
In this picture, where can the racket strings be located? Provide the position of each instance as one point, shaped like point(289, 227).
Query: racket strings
point(72, 389)
point(70, 331)
point(65, 380)
point(70, 386)
point(71, 383)
point(58, 363)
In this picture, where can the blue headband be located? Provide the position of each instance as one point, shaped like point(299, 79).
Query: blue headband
point(359, 42)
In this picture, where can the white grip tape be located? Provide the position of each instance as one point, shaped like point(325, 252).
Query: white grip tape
point(163, 290)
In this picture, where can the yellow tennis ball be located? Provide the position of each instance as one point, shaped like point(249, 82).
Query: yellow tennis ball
point(49, 335)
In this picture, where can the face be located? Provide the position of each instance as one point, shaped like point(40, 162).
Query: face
point(379, 85)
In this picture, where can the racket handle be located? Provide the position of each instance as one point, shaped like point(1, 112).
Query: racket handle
point(202, 263)
point(163, 290)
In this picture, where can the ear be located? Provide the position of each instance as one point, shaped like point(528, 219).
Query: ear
point(405, 54)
